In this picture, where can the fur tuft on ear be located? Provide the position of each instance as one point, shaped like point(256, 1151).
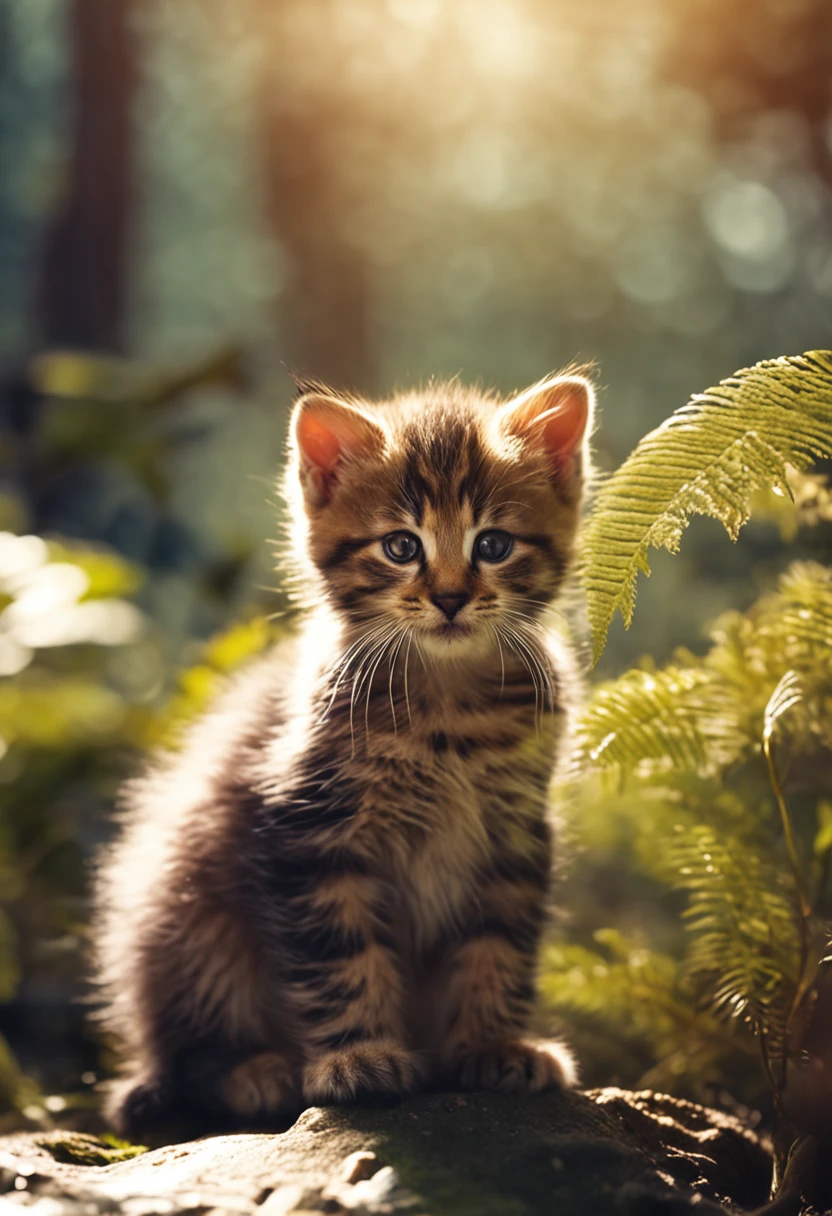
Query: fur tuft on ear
point(554, 416)
point(329, 434)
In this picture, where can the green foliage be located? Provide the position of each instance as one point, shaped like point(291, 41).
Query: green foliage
point(83, 685)
point(705, 714)
point(199, 683)
point(809, 503)
point(684, 775)
point(634, 1002)
point(744, 955)
point(709, 458)
point(110, 408)
point(65, 717)
point(70, 719)
point(673, 765)
point(660, 718)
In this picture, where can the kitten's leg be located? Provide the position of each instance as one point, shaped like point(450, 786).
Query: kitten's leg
point(263, 1084)
point(489, 987)
point(348, 990)
point(206, 1080)
point(206, 1024)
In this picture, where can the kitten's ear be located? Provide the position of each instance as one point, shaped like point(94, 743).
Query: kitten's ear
point(328, 434)
point(555, 417)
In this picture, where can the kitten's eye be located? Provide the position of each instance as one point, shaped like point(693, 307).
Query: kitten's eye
point(401, 547)
point(493, 546)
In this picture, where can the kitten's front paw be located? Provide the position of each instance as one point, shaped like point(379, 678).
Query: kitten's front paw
point(136, 1106)
point(382, 1067)
point(264, 1084)
point(516, 1067)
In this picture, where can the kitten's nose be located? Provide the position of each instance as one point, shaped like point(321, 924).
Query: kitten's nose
point(451, 602)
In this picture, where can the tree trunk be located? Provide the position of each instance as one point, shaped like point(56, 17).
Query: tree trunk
point(81, 300)
point(323, 306)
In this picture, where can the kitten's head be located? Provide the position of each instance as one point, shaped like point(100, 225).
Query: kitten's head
point(446, 513)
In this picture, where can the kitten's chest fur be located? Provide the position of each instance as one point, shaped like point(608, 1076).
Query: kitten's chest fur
point(441, 797)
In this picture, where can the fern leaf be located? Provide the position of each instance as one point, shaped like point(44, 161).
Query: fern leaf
point(622, 983)
point(787, 630)
point(745, 948)
point(672, 718)
point(700, 715)
point(786, 695)
point(633, 997)
point(708, 458)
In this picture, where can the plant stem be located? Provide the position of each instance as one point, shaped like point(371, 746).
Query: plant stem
point(805, 973)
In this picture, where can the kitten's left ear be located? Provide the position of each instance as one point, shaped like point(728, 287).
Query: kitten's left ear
point(330, 434)
point(555, 417)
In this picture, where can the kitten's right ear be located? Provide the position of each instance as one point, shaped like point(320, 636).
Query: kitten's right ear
point(329, 434)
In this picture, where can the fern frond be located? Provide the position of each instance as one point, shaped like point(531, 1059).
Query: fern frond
point(788, 630)
point(810, 503)
point(708, 458)
point(786, 695)
point(622, 984)
point(701, 715)
point(636, 995)
point(745, 949)
point(675, 717)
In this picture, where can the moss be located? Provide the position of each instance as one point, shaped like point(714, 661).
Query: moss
point(75, 1149)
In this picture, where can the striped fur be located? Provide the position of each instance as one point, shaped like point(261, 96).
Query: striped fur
point(338, 885)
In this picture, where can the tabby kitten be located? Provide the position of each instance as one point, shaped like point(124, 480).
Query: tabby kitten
point(337, 887)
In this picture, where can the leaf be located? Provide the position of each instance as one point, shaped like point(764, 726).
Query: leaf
point(786, 695)
point(745, 948)
point(108, 574)
point(231, 648)
point(220, 656)
point(633, 998)
point(672, 718)
point(703, 714)
point(708, 458)
point(69, 375)
point(810, 503)
point(823, 837)
point(43, 710)
point(622, 982)
point(787, 630)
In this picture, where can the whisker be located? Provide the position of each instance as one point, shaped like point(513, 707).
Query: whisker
point(502, 664)
point(523, 654)
point(406, 661)
point(382, 650)
point(393, 657)
point(538, 649)
point(358, 681)
point(341, 666)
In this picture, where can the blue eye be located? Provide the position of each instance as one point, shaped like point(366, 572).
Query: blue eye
point(493, 546)
point(401, 547)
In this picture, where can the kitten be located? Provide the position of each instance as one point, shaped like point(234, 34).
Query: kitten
point(337, 888)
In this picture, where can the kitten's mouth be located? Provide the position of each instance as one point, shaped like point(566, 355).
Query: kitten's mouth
point(451, 629)
point(449, 633)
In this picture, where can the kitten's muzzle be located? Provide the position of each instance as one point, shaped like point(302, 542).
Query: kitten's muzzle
point(450, 602)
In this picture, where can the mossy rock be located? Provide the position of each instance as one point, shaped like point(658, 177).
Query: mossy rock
point(602, 1153)
point(73, 1148)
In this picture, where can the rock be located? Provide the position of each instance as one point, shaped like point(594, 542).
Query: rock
point(359, 1166)
point(575, 1154)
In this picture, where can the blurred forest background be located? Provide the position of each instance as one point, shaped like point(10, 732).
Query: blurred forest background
point(197, 196)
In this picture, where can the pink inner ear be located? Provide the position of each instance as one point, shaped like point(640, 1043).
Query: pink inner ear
point(564, 426)
point(328, 433)
point(318, 444)
point(553, 417)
